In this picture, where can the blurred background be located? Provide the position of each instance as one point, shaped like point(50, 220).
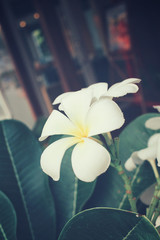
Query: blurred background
point(48, 47)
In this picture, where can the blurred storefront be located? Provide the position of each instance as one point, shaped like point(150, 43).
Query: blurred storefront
point(14, 102)
point(50, 47)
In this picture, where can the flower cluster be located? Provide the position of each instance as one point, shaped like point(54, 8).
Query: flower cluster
point(86, 113)
point(152, 151)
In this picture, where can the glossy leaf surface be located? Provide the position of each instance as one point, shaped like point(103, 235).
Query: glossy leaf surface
point(24, 183)
point(109, 190)
point(8, 221)
point(70, 194)
point(135, 137)
point(110, 224)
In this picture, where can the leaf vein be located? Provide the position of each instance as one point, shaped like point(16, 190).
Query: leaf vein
point(3, 232)
point(18, 181)
point(132, 230)
point(125, 195)
point(75, 196)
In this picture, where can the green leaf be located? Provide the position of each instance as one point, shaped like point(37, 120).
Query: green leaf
point(37, 129)
point(135, 137)
point(109, 224)
point(8, 221)
point(70, 194)
point(109, 190)
point(24, 183)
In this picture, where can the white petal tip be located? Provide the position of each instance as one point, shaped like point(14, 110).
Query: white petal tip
point(153, 123)
point(42, 138)
point(138, 80)
point(157, 107)
point(130, 165)
point(50, 173)
point(55, 179)
point(87, 180)
point(57, 100)
point(134, 80)
point(60, 107)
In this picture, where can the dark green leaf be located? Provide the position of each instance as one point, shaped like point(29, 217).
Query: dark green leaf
point(109, 224)
point(109, 190)
point(23, 181)
point(37, 129)
point(70, 194)
point(8, 221)
point(135, 137)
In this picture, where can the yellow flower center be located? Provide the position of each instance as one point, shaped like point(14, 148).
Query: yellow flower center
point(81, 131)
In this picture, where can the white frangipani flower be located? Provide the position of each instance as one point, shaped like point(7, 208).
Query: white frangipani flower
point(80, 122)
point(150, 153)
point(153, 123)
point(116, 90)
point(101, 89)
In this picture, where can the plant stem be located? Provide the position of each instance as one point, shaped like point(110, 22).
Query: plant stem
point(131, 199)
point(108, 139)
point(109, 135)
point(114, 150)
point(154, 167)
point(156, 196)
point(158, 229)
point(153, 204)
point(156, 214)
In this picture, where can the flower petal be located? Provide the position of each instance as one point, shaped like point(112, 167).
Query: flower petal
point(157, 221)
point(130, 165)
point(153, 140)
point(89, 160)
point(60, 97)
point(99, 89)
point(130, 80)
point(134, 160)
point(76, 106)
point(57, 123)
point(153, 123)
point(124, 87)
point(51, 157)
point(148, 153)
point(157, 107)
point(104, 116)
point(158, 152)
